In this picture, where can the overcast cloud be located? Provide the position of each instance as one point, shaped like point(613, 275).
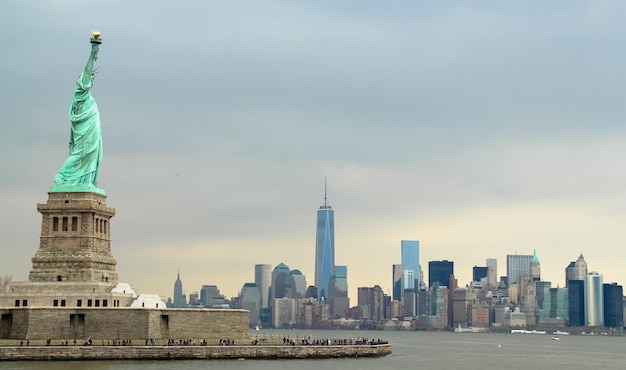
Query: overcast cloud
point(479, 128)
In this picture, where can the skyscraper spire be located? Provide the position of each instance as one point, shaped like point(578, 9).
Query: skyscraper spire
point(325, 206)
point(325, 191)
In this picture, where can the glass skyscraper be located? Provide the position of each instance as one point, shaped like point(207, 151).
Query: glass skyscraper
point(439, 272)
point(594, 301)
point(613, 305)
point(263, 280)
point(410, 260)
point(576, 299)
point(516, 266)
point(324, 249)
point(410, 273)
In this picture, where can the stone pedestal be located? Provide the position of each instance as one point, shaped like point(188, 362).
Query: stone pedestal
point(75, 241)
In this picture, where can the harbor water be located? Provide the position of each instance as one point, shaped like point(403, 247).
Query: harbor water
point(424, 350)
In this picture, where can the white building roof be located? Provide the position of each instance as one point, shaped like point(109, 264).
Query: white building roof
point(148, 300)
point(124, 288)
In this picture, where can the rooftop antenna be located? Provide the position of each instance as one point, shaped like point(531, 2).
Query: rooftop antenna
point(325, 191)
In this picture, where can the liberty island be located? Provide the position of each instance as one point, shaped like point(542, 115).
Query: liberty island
point(73, 306)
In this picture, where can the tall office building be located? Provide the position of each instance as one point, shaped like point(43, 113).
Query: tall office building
point(342, 271)
point(324, 248)
point(378, 303)
point(542, 293)
point(180, 301)
point(576, 270)
point(492, 272)
point(281, 282)
point(576, 300)
point(298, 283)
point(613, 305)
point(479, 273)
point(516, 266)
point(559, 306)
point(594, 300)
point(410, 250)
point(250, 299)
point(396, 278)
point(338, 291)
point(210, 296)
point(263, 280)
point(535, 267)
point(439, 272)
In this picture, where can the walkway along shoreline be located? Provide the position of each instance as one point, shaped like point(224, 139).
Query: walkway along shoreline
point(70, 353)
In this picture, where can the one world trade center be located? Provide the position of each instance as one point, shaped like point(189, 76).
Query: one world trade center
point(324, 248)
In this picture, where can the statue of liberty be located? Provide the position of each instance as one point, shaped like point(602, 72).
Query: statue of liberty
point(80, 170)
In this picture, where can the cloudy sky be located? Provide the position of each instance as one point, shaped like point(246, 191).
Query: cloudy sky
point(480, 129)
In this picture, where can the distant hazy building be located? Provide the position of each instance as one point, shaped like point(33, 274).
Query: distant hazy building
point(462, 297)
point(409, 305)
point(312, 313)
point(194, 299)
point(542, 290)
point(439, 302)
point(281, 282)
point(341, 270)
point(613, 305)
point(559, 304)
point(576, 270)
point(263, 280)
point(396, 276)
point(479, 315)
point(492, 272)
point(298, 284)
point(594, 300)
point(338, 292)
point(378, 303)
point(250, 299)
point(479, 273)
point(535, 267)
point(516, 266)
point(283, 312)
point(576, 299)
point(179, 299)
point(394, 310)
point(515, 318)
point(528, 300)
point(210, 296)
point(440, 272)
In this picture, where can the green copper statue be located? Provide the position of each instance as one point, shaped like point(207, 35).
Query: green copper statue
point(80, 170)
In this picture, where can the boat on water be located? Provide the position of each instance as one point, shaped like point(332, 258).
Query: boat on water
point(469, 329)
point(556, 338)
point(521, 331)
point(558, 332)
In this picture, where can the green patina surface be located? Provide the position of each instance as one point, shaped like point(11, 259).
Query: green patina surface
point(80, 170)
point(77, 188)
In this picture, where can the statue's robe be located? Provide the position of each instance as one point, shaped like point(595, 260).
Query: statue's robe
point(81, 167)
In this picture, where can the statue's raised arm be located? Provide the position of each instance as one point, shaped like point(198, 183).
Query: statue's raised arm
point(95, 47)
point(80, 170)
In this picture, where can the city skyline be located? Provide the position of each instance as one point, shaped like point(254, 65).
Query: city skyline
point(426, 271)
point(480, 129)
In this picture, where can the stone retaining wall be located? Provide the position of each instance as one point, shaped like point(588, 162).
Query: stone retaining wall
point(62, 353)
point(109, 323)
